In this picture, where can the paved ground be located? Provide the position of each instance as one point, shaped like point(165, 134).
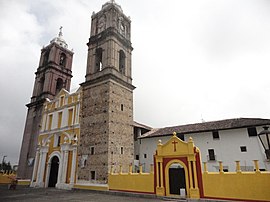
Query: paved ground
point(23, 193)
point(51, 194)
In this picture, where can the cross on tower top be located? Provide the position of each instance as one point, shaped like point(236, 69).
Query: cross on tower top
point(60, 31)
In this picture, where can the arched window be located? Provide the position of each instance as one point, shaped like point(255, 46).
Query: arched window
point(62, 60)
point(122, 58)
point(99, 59)
point(59, 85)
point(46, 57)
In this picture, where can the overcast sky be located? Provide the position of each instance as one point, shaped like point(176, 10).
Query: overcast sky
point(192, 59)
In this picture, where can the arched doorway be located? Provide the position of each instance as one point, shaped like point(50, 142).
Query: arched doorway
point(53, 171)
point(177, 179)
point(179, 161)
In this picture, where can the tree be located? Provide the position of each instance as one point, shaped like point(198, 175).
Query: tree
point(5, 166)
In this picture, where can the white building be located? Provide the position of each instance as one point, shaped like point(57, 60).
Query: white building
point(225, 140)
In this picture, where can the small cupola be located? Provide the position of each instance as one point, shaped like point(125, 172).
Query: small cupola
point(112, 3)
point(59, 39)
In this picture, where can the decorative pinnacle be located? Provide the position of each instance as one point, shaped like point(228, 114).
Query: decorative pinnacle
point(60, 31)
point(174, 134)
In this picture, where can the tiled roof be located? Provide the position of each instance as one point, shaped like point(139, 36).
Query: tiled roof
point(208, 126)
point(139, 125)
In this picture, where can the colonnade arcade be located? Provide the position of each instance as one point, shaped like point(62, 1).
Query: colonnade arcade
point(52, 164)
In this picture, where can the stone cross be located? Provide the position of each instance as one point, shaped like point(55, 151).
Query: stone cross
point(174, 144)
point(60, 31)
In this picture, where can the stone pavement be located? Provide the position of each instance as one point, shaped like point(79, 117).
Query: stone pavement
point(25, 193)
point(52, 194)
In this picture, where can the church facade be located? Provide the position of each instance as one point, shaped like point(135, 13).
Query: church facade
point(56, 155)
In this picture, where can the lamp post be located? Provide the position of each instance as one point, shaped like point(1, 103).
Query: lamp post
point(264, 137)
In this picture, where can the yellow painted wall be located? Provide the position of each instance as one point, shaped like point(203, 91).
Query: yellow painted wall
point(24, 182)
point(70, 113)
point(237, 185)
point(91, 187)
point(69, 165)
point(132, 182)
point(5, 179)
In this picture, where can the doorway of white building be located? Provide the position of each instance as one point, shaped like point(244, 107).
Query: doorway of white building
point(53, 171)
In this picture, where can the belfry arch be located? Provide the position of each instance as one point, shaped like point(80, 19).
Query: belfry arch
point(59, 85)
point(98, 59)
point(122, 62)
point(62, 60)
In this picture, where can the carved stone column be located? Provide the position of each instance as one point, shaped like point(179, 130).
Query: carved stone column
point(65, 161)
point(73, 165)
point(35, 171)
point(41, 167)
point(62, 171)
point(59, 177)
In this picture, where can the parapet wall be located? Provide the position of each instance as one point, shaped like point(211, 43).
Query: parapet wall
point(246, 186)
point(6, 177)
point(132, 182)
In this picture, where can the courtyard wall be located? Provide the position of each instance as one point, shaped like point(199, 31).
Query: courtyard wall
point(247, 186)
point(132, 182)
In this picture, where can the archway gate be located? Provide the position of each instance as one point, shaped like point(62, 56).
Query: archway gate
point(176, 151)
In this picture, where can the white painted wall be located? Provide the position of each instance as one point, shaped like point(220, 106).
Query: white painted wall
point(227, 149)
point(148, 146)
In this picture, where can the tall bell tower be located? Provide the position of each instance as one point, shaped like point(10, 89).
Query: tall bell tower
point(53, 74)
point(107, 105)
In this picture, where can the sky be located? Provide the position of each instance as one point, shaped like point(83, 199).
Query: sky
point(192, 61)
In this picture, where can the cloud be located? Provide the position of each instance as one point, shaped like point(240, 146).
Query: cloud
point(191, 59)
point(19, 34)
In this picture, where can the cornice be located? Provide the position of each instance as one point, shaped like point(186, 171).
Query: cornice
point(110, 32)
point(108, 77)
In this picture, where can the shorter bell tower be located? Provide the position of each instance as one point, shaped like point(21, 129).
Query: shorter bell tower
point(54, 71)
point(106, 138)
point(53, 74)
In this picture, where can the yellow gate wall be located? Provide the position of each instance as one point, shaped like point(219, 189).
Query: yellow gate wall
point(132, 182)
point(237, 185)
point(7, 176)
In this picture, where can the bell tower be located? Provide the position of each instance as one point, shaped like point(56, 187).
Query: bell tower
point(53, 74)
point(107, 105)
